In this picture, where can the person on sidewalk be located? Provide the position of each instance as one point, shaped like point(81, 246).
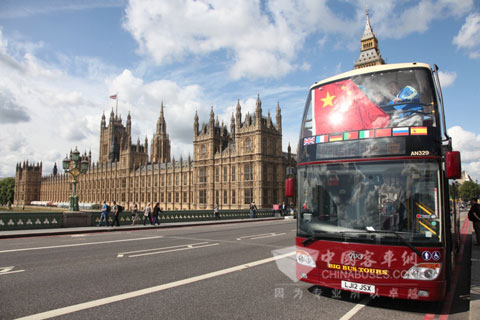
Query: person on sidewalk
point(474, 216)
point(116, 215)
point(216, 212)
point(156, 213)
point(134, 213)
point(147, 214)
point(104, 216)
point(253, 210)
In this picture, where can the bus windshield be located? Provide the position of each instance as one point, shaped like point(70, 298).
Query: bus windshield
point(396, 98)
point(371, 201)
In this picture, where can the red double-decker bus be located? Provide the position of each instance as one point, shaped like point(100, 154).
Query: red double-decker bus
point(374, 160)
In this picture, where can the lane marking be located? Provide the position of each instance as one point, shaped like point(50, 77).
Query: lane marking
point(173, 250)
point(8, 270)
point(356, 309)
point(260, 236)
point(79, 244)
point(146, 252)
point(273, 235)
point(142, 292)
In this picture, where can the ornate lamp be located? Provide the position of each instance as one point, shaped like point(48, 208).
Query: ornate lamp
point(75, 166)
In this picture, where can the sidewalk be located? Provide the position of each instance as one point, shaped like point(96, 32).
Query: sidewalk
point(475, 279)
point(139, 226)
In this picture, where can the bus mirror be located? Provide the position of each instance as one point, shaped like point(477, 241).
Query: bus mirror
point(453, 165)
point(289, 187)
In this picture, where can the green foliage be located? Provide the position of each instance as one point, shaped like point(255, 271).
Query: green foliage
point(7, 188)
point(468, 190)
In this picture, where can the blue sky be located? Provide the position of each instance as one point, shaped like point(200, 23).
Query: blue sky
point(61, 60)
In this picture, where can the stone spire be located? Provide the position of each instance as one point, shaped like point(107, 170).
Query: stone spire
point(258, 110)
point(129, 124)
point(212, 119)
point(369, 52)
point(195, 124)
point(161, 124)
point(238, 114)
point(103, 123)
point(368, 32)
point(278, 118)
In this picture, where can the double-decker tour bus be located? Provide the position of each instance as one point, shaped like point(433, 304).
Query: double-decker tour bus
point(374, 160)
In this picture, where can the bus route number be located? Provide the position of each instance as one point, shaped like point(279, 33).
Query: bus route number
point(420, 153)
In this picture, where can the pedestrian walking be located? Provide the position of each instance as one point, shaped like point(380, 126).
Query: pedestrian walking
point(134, 213)
point(104, 215)
point(156, 213)
point(253, 210)
point(216, 212)
point(283, 208)
point(474, 216)
point(116, 214)
point(147, 214)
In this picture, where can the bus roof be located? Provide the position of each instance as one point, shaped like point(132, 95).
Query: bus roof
point(383, 67)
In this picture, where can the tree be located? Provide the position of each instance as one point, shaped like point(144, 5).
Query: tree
point(469, 189)
point(7, 188)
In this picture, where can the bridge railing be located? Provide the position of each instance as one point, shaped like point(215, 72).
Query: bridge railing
point(186, 216)
point(56, 219)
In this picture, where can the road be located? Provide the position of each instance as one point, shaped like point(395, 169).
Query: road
point(202, 272)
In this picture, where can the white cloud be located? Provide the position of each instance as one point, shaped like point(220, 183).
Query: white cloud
point(468, 37)
point(263, 42)
point(467, 143)
point(263, 38)
point(447, 78)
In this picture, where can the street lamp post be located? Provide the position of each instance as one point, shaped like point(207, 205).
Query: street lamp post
point(76, 166)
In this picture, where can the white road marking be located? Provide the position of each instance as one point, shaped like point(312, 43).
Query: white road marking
point(268, 236)
point(138, 293)
point(173, 250)
point(8, 270)
point(79, 244)
point(259, 236)
point(355, 309)
point(147, 252)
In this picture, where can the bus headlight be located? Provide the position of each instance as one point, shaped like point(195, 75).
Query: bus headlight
point(423, 271)
point(304, 258)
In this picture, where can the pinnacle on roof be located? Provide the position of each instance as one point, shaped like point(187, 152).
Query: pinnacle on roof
point(368, 33)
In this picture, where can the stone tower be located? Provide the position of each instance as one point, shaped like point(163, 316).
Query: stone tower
point(233, 168)
point(112, 137)
point(369, 52)
point(28, 180)
point(160, 141)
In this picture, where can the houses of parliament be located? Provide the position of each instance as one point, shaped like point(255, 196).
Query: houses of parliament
point(230, 168)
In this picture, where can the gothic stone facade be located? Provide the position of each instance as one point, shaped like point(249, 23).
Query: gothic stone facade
point(229, 168)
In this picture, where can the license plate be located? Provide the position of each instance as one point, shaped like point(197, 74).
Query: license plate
point(361, 287)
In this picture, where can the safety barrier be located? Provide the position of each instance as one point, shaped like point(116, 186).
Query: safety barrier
point(30, 220)
point(185, 216)
point(47, 220)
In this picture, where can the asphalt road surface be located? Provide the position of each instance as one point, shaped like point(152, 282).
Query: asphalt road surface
point(234, 271)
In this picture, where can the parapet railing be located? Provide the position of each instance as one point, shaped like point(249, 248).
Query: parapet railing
point(48, 220)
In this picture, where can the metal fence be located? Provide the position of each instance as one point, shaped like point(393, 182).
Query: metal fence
point(185, 216)
point(30, 220)
point(47, 220)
